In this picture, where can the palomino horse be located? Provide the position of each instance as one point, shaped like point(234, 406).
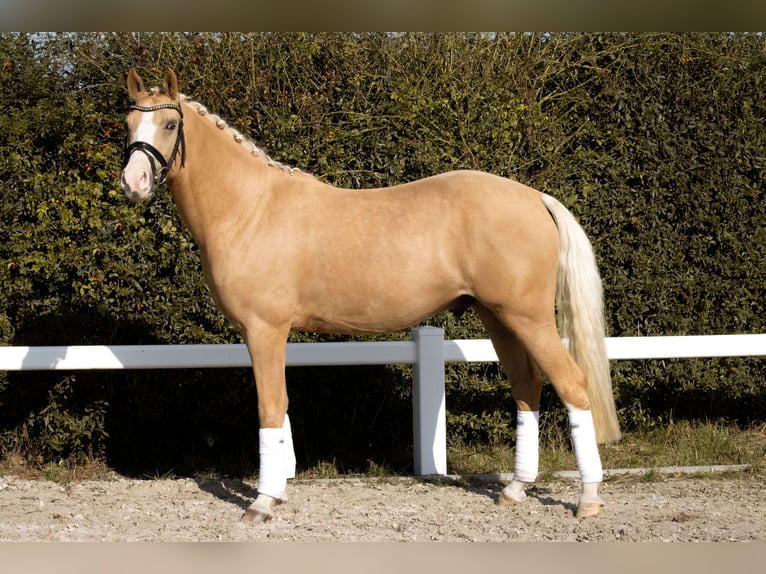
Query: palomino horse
point(282, 250)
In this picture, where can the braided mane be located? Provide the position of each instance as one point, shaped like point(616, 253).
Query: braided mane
point(235, 134)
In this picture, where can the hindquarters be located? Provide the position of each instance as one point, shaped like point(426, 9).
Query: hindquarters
point(514, 256)
point(543, 261)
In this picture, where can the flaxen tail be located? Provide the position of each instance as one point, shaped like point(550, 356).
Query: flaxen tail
point(580, 304)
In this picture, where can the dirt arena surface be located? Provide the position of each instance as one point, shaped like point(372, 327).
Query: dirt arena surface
point(678, 508)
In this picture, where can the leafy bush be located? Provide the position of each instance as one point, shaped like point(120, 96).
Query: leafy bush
point(654, 141)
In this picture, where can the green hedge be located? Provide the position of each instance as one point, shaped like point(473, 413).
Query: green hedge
point(655, 141)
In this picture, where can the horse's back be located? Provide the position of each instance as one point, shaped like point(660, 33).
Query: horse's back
point(465, 197)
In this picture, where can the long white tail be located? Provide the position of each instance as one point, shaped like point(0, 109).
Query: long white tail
point(580, 304)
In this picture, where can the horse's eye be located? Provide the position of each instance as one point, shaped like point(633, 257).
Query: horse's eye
point(171, 125)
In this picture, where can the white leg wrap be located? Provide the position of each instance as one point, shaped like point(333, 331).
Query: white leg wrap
point(586, 449)
point(289, 449)
point(272, 479)
point(527, 454)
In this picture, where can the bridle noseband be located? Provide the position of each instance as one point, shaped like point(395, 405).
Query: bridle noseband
point(162, 175)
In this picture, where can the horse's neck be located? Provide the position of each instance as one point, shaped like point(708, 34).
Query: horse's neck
point(221, 182)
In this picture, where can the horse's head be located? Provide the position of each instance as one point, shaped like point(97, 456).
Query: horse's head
point(155, 129)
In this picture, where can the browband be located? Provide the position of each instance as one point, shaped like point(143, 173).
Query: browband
point(176, 107)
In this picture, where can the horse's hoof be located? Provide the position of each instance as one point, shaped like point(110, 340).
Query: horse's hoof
point(257, 515)
point(512, 494)
point(505, 500)
point(586, 509)
point(260, 510)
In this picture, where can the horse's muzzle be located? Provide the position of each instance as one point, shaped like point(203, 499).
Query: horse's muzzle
point(138, 178)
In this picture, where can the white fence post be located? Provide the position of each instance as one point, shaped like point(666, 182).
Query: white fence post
point(429, 419)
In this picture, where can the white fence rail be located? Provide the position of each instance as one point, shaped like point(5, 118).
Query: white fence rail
point(427, 352)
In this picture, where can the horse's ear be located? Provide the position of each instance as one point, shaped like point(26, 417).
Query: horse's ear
point(135, 85)
point(171, 84)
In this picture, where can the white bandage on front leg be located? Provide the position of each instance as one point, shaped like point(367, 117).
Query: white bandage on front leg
point(289, 449)
point(272, 478)
point(586, 449)
point(526, 459)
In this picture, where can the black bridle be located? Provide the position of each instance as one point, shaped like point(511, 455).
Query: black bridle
point(151, 152)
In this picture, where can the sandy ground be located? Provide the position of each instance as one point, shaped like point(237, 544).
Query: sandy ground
point(679, 508)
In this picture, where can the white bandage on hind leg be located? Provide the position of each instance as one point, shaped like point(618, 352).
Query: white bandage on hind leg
point(526, 459)
point(272, 479)
point(586, 449)
point(289, 449)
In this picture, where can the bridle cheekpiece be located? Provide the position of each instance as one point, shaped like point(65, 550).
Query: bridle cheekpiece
point(161, 176)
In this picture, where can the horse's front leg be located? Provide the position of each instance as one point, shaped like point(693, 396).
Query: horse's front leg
point(277, 457)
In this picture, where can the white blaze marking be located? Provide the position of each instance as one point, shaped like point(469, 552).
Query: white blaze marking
point(146, 129)
point(137, 175)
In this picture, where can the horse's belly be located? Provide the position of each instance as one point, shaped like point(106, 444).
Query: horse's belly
point(354, 309)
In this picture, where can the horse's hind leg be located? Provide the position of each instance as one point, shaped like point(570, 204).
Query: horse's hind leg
point(537, 333)
point(526, 387)
point(544, 345)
